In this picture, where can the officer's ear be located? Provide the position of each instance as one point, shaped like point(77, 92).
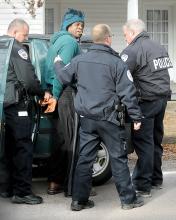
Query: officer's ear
point(131, 33)
point(14, 33)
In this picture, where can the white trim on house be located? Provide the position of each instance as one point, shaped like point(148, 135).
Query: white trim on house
point(132, 9)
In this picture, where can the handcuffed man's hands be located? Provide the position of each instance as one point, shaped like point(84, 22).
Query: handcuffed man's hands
point(47, 96)
point(51, 104)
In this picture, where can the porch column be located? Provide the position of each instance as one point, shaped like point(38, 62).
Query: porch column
point(132, 9)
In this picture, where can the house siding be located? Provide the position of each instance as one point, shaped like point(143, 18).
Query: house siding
point(112, 12)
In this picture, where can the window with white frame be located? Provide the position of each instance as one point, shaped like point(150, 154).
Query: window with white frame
point(157, 26)
point(49, 20)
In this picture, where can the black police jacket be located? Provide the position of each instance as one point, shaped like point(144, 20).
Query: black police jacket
point(20, 74)
point(148, 62)
point(103, 80)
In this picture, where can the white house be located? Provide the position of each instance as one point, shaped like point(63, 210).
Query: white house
point(159, 15)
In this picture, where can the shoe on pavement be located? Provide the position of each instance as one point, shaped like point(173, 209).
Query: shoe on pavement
point(144, 194)
point(93, 192)
point(157, 186)
point(54, 188)
point(29, 199)
point(78, 206)
point(137, 203)
point(6, 194)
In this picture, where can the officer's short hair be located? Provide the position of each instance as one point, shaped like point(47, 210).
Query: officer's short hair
point(18, 22)
point(100, 32)
point(136, 25)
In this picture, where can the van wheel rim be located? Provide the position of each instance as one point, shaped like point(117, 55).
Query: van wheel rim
point(102, 161)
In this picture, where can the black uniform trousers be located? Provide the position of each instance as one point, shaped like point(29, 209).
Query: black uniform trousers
point(18, 150)
point(61, 157)
point(147, 144)
point(91, 133)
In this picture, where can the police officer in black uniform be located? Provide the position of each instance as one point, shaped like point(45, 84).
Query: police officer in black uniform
point(103, 81)
point(21, 85)
point(148, 62)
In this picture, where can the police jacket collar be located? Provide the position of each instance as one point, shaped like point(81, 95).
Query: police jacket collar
point(143, 34)
point(105, 48)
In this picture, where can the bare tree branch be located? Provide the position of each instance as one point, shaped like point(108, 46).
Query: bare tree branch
point(30, 5)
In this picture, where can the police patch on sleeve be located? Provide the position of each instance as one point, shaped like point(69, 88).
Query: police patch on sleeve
point(23, 54)
point(124, 57)
point(129, 76)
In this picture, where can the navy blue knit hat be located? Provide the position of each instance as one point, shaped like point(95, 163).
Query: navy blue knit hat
point(70, 17)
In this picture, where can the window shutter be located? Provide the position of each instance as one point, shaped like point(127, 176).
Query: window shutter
point(49, 20)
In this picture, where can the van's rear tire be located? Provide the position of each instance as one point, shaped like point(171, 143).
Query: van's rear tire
point(101, 168)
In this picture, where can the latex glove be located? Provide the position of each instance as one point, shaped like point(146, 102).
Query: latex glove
point(136, 125)
point(52, 102)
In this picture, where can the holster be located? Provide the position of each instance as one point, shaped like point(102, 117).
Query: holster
point(120, 108)
point(21, 96)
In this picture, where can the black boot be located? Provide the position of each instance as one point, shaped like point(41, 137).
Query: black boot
point(6, 194)
point(137, 203)
point(78, 206)
point(29, 199)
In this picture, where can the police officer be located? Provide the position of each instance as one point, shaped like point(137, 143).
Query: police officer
point(21, 85)
point(103, 80)
point(148, 62)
